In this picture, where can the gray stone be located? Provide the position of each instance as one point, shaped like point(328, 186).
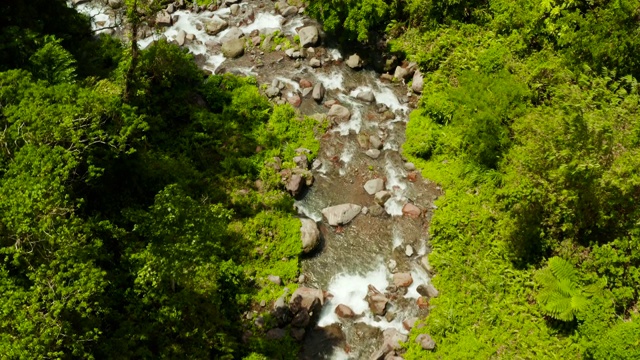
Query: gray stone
point(341, 214)
point(272, 92)
point(232, 34)
point(401, 73)
point(375, 142)
point(408, 250)
point(294, 185)
point(376, 210)
point(381, 197)
point(276, 334)
point(428, 290)
point(392, 342)
point(275, 279)
point(366, 96)
point(306, 92)
point(426, 265)
point(373, 153)
point(354, 61)
point(318, 92)
point(215, 25)
point(402, 279)
point(289, 11)
point(305, 298)
point(315, 63)
point(163, 19)
point(417, 83)
point(310, 235)
point(233, 48)
point(373, 186)
point(289, 52)
point(409, 166)
point(339, 113)
point(377, 301)
point(309, 36)
point(181, 37)
point(191, 37)
point(234, 9)
point(117, 4)
point(426, 342)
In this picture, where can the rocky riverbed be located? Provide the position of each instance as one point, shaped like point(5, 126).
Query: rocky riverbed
point(365, 212)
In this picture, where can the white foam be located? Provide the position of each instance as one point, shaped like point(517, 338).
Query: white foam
point(97, 12)
point(420, 277)
point(397, 238)
point(290, 28)
point(304, 209)
point(264, 22)
point(394, 175)
point(333, 81)
point(385, 95)
point(394, 205)
point(347, 153)
point(293, 84)
point(355, 122)
point(334, 54)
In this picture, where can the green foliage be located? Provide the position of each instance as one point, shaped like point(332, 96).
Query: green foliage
point(53, 63)
point(561, 295)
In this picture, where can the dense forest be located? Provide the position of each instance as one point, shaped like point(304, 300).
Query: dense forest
point(140, 211)
point(530, 119)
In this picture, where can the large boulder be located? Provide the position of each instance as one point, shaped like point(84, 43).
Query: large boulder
point(233, 48)
point(231, 34)
point(307, 299)
point(308, 36)
point(294, 184)
point(181, 37)
point(215, 25)
point(373, 186)
point(341, 214)
point(318, 92)
point(377, 301)
point(418, 82)
point(289, 11)
point(163, 19)
point(426, 342)
point(354, 61)
point(393, 340)
point(428, 290)
point(310, 235)
point(402, 279)
point(339, 113)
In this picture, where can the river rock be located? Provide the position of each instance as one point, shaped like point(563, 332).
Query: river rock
point(426, 265)
point(301, 319)
point(381, 197)
point(344, 311)
point(294, 184)
point(427, 290)
point(275, 279)
point(310, 235)
point(373, 186)
point(411, 210)
point(289, 11)
point(315, 63)
point(276, 334)
point(163, 19)
point(304, 83)
point(375, 142)
point(402, 279)
point(215, 25)
point(366, 96)
point(234, 9)
point(272, 92)
point(294, 100)
point(422, 302)
point(232, 34)
point(308, 299)
point(309, 36)
point(78, 2)
point(408, 324)
point(117, 4)
point(408, 251)
point(377, 301)
point(373, 153)
point(339, 113)
point(426, 342)
point(318, 92)
point(401, 73)
point(354, 61)
point(376, 210)
point(181, 37)
point(409, 166)
point(297, 333)
point(341, 214)
point(233, 48)
point(393, 340)
point(418, 82)
point(301, 161)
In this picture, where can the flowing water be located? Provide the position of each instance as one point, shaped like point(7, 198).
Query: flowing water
point(369, 249)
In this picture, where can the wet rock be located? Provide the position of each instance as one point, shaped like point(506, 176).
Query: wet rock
point(272, 92)
point(289, 11)
point(215, 25)
point(408, 324)
point(301, 319)
point(310, 235)
point(181, 37)
point(381, 197)
point(339, 113)
point(344, 312)
point(392, 341)
point(298, 333)
point(341, 214)
point(401, 73)
point(289, 52)
point(163, 19)
point(304, 83)
point(190, 37)
point(275, 279)
point(308, 299)
point(233, 33)
point(78, 2)
point(302, 278)
point(234, 8)
point(375, 142)
point(411, 210)
point(402, 279)
point(329, 103)
point(427, 290)
point(392, 265)
point(426, 265)
point(233, 48)
point(256, 40)
point(374, 186)
point(366, 96)
point(376, 210)
point(294, 185)
point(408, 251)
point(231, 2)
point(409, 166)
point(276, 334)
point(386, 77)
point(301, 161)
point(373, 153)
point(354, 61)
point(309, 36)
point(318, 92)
point(426, 342)
point(294, 100)
point(422, 302)
point(117, 4)
point(317, 164)
point(279, 303)
point(315, 63)
point(377, 301)
point(417, 83)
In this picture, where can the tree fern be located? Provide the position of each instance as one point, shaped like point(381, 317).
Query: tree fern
point(560, 295)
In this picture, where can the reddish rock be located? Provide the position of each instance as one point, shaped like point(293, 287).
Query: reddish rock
point(423, 302)
point(344, 311)
point(329, 103)
point(377, 301)
point(304, 83)
point(412, 176)
point(306, 298)
point(408, 324)
point(411, 210)
point(402, 279)
point(294, 100)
